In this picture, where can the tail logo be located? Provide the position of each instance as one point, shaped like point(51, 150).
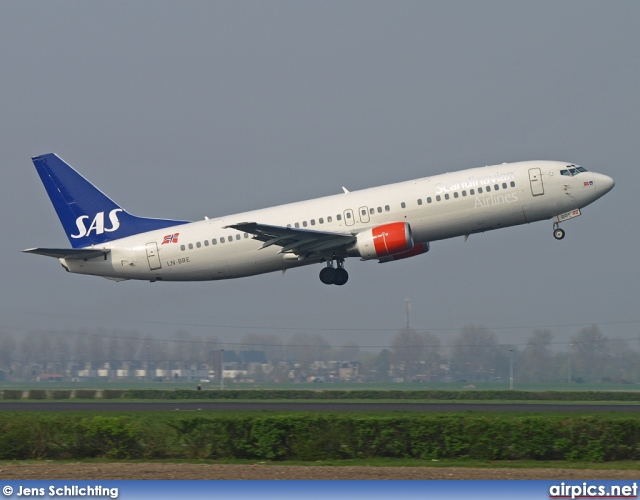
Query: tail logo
point(98, 224)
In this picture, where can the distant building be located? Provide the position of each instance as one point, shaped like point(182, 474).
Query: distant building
point(49, 377)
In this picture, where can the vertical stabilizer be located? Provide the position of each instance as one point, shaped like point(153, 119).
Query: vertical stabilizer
point(89, 217)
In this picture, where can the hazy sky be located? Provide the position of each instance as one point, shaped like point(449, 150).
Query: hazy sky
point(186, 109)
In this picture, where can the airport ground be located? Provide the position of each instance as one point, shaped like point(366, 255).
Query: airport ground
point(212, 471)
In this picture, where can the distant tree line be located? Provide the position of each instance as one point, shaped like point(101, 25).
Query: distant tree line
point(473, 355)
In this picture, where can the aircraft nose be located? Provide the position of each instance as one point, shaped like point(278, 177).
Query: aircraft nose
point(603, 183)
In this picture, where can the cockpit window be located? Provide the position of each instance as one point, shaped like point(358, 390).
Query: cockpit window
point(572, 170)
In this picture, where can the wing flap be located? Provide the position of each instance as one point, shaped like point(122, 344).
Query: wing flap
point(303, 242)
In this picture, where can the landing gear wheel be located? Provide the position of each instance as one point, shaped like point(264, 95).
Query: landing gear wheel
point(558, 233)
point(327, 275)
point(341, 276)
point(334, 275)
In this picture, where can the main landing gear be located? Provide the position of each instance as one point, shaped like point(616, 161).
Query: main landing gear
point(558, 233)
point(334, 275)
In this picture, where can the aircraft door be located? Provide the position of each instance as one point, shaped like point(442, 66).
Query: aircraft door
point(349, 219)
point(535, 179)
point(364, 214)
point(153, 257)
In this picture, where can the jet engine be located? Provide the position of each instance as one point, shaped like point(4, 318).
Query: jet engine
point(384, 242)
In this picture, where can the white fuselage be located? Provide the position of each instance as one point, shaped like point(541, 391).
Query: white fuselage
point(437, 207)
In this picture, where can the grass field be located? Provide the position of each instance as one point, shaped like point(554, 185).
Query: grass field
point(178, 384)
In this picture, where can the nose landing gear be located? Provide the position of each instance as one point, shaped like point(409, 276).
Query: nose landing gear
point(334, 275)
point(558, 233)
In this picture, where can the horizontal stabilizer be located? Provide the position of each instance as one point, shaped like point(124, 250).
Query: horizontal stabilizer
point(69, 253)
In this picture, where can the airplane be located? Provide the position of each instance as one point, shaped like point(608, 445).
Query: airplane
point(385, 223)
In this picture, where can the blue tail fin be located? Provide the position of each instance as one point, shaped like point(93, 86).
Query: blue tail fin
point(88, 216)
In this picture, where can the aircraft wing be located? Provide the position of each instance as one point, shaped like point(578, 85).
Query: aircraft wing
point(68, 253)
point(302, 242)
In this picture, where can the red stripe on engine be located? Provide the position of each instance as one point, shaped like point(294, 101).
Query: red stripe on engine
point(390, 239)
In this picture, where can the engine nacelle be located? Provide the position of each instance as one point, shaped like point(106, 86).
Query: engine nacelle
point(383, 241)
point(418, 248)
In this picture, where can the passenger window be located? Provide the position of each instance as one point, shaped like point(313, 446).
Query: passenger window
point(206, 243)
point(313, 222)
point(420, 202)
point(504, 185)
point(329, 219)
point(222, 239)
point(230, 238)
point(446, 196)
point(338, 217)
point(513, 184)
point(297, 224)
point(304, 223)
point(438, 198)
point(403, 205)
point(214, 241)
point(472, 192)
point(488, 188)
point(288, 225)
point(496, 187)
point(348, 215)
point(246, 235)
point(198, 244)
point(379, 210)
point(464, 193)
point(321, 220)
point(429, 199)
point(190, 246)
point(387, 208)
point(182, 248)
point(479, 190)
point(237, 236)
point(455, 195)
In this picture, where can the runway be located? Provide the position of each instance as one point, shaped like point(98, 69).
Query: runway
point(327, 406)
